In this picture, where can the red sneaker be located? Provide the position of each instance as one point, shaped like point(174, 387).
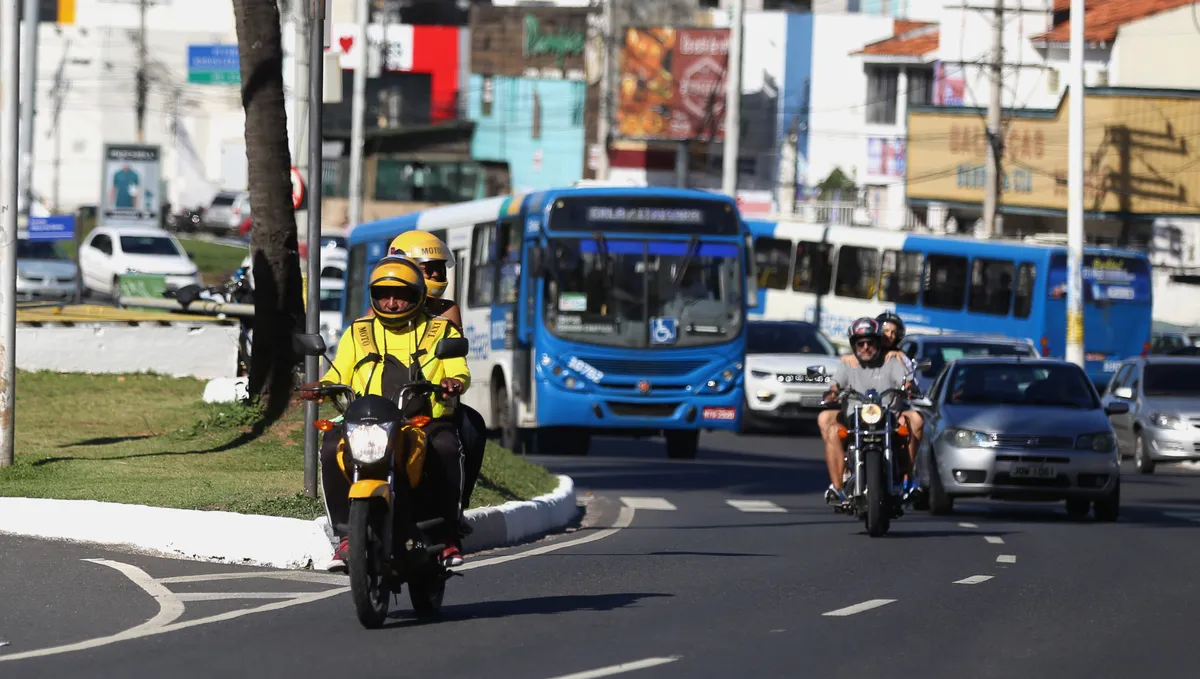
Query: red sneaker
point(451, 557)
point(340, 556)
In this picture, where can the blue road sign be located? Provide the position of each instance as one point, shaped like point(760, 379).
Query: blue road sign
point(209, 58)
point(59, 227)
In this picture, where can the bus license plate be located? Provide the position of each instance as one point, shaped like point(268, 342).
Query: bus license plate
point(1034, 471)
point(726, 414)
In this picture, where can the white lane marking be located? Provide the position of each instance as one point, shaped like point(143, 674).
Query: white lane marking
point(624, 519)
point(973, 580)
point(967, 525)
point(650, 503)
point(222, 596)
point(620, 669)
point(994, 539)
point(3, 643)
point(765, 506)
point(858, 608)
point(169, 605)
point(1006, 558)
point(298, 576)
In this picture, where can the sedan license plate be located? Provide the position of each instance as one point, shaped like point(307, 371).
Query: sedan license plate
point(1034, 471)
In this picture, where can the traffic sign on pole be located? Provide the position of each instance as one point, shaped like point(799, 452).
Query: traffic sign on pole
point(214, 65)
point(58, 227)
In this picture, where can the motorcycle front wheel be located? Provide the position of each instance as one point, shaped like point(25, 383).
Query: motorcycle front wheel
point(367, 563)
point(426, 595)
point(878, 515)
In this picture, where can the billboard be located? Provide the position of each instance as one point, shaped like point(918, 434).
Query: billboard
point(1138, 155)
point(529, 42)
point(673, 83)
point(885, 157)
point(129, 195)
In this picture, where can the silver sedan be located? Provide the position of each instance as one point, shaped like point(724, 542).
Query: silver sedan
point(1014, 429)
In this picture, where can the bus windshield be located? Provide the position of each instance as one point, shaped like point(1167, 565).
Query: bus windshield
point(640, 293)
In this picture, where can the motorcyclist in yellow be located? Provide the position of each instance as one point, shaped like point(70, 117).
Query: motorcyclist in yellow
point(373, 357)
point(435, 259)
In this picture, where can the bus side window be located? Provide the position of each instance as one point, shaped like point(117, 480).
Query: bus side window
point(991, 286)
point(814, 268)
point(1023, 299)
point(945, 282)
point(508, 258)
point(857, 272)
point(773, 258)
point(900, 280)
point(482, 284)
point(461, 266)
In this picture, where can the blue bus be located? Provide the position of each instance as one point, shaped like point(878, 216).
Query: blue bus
point(616, 310)
point(831, 275)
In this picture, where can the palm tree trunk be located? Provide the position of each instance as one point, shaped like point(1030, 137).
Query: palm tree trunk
point(278, 305)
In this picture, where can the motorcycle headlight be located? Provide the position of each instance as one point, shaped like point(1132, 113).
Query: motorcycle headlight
point(368, 442)
point(871, 413)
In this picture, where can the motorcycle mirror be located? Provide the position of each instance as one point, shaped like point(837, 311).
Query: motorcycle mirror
point(816, 371)
point(923, 366)
point(452, 347)
point(921, 402)
point(309, 344)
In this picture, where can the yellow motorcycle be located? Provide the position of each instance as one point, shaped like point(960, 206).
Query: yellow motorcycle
point(382, 454)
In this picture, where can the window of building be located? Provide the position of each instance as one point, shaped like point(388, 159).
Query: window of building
point(481, 290)
point(1023, 299)
point(900, 278)
point(881, 94)
point(857, 272)
point(773, 259)
point(945, 282)
point(814, 268)
point(991, 286)
point(920, 86)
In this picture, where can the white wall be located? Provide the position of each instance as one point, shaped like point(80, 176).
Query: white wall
point(1158, 51)
point(764, 60)
point(98, 77)
point(837, 110)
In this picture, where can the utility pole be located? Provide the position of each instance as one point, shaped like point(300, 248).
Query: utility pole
point(10, 134)
point(733, 101)
point(300, 99)
point(1075, 188)
point(143, 84)
point(358, 112)
point(609, 41)
point(995, 133)
point(318, 40)
point(29, 78)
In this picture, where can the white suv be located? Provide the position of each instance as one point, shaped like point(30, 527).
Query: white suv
point(778, 388)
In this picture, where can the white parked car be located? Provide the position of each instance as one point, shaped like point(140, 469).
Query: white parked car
point(110, 252)
point(778, 388)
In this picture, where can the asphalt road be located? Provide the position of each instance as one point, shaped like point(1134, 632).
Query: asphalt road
point(772, 585)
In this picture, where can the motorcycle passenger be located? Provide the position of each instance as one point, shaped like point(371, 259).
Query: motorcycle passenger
point(435, 258)
point(873, 371)
point(373, 358)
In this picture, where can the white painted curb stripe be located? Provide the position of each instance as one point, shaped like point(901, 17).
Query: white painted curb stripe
point(859, 608)
point(250, 539)
point(619, 669)
point(973, 580)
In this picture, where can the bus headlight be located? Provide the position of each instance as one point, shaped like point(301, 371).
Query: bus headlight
point(871, 413)
point(368, 442)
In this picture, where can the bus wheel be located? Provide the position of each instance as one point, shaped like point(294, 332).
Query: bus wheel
point(510, 434)
point(682, 445)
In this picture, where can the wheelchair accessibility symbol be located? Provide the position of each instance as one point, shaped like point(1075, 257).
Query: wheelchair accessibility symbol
point(663, 330)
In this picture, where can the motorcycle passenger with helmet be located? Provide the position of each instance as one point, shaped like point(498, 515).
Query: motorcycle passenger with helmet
point(435, 259)
point(374, 357)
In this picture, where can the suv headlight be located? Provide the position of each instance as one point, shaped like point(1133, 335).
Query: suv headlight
point(368, 442)
point(1101, 443)
point(1168, 421)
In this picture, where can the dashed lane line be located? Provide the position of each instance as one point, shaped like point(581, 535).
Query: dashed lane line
point(973, 580)
point(858, 608)
point(1006, 558)
point(967, 525)
point(764, 506)
point(994, 539)
point(620, 669)
point(659, 504)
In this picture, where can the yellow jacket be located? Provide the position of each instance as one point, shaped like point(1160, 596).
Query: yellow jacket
point(353, 348)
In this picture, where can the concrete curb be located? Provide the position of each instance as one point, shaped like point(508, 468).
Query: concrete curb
point(250, 539)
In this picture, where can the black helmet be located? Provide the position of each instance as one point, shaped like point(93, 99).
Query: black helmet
point(891, 317)
point(864, 327)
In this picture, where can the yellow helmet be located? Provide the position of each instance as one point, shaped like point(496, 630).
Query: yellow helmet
point(403, 279)
point(422, 247)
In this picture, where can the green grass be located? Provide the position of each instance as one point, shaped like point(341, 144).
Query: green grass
point(215, 261)
point(149, 439)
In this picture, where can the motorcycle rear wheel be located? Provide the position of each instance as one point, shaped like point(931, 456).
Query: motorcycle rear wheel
point(367, 563)
point(878, 515)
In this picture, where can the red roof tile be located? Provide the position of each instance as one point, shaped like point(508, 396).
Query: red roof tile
point(1103, 18)
point(911, 39)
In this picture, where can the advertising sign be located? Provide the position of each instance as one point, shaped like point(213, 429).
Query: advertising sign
point(129, 195)
point(673, 83)
point(885, 157)
point(1105, 278)
point(529, 42)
